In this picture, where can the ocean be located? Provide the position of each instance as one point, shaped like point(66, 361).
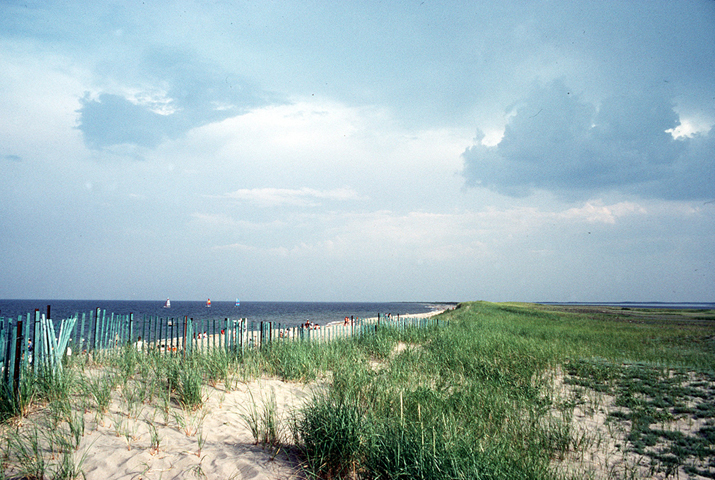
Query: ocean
point(288, 314)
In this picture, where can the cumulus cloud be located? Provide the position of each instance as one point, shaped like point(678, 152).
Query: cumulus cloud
point(558, 142)
point(178, 92)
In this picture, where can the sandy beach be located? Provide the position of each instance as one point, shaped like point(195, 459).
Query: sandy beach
point(152, 441)
point(225, 437)
point(120, 447)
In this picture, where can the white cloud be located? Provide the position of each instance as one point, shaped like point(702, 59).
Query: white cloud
point(430, 237)
point(690, 126)
point(597, 212)
point(329, 134)
point(302, 197)
point(39, 85)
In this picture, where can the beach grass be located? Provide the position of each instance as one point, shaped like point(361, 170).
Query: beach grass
point(478, 399)
point(497, 391)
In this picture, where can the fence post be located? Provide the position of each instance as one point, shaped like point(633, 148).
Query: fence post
point(3, 350)
point(186, 324)
point(37, 338)
point(105, 330)
point(95, 337)
point(27, 337)
point(80, 335)
point(18, 356)
point(244, 334)
point(122, 329)
point(171, 335)
point(194, 326)
point(6, 378)
point(110, 331)
point(239, 335)
point(236, 344)
point(75, 342)
point(102, 344)
point(113, 330)
point(242, 337)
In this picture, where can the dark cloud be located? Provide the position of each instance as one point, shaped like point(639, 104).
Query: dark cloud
point(195, 93)
point(114, 120)
point(555, 141)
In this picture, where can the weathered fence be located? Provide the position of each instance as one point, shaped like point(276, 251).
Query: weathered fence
point(31, 342)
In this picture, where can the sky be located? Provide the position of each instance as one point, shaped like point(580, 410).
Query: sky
point(358, 151)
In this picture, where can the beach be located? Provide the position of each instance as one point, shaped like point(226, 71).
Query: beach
point(398, 399)
point(136, 440)
point(212, 442)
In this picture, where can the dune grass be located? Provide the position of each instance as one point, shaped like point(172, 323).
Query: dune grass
point(475, 398)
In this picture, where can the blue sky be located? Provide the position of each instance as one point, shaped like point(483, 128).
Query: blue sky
point(358, 151)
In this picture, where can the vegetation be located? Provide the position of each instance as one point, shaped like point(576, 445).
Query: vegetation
point(497, 393)
point(479, 399)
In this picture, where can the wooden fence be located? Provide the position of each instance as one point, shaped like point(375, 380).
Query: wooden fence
point(30, 341)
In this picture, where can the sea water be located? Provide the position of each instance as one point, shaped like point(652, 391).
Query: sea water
point(288, 314)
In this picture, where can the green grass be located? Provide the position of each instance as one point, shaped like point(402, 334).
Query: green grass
point(470, 402)
point(473, 398)
point(650, 397)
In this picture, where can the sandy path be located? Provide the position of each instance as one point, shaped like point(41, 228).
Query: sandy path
point(121, 447)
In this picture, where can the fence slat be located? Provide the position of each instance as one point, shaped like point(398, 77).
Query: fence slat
point(33, 342)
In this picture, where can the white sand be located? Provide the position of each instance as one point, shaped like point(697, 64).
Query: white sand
point(118, 445)
point(121, 447)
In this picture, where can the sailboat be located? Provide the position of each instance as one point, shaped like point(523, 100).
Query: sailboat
point(208, 303)
point(167, 304)
point(238, 304)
